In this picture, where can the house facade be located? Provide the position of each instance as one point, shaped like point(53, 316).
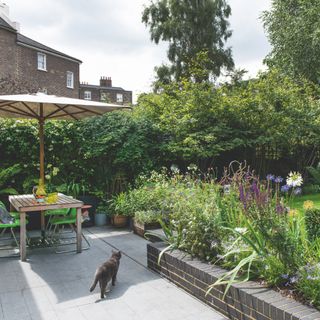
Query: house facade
point(105, 92)
point(29, 66)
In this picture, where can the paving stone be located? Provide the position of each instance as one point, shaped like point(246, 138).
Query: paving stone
point(56, 286)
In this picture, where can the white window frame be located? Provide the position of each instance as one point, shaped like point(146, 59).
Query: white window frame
point(87, 95)
point(42, 64)
point(70, 80)
point(103, 96)
point(119, 97)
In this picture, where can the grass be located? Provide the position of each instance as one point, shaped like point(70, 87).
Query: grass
point(297, 203)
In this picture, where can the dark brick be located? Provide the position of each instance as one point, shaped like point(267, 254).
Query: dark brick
point(233, 313)
point(243, 301)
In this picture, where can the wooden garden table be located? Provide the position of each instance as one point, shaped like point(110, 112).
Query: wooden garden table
point(27, 203)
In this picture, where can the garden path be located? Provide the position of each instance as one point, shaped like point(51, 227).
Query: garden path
point(56, 287)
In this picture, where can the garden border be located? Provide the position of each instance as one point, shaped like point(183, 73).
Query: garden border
point(246, 301)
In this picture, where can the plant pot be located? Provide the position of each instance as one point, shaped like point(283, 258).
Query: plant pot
point(100, 219)
point(119, 221)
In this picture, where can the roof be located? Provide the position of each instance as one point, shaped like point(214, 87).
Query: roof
point(5, 25)
point(21, 39)
point(83, 85)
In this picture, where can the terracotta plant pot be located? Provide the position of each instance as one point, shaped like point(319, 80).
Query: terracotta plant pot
point(119, 221)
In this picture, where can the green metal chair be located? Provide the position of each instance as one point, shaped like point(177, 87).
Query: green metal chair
point(15, 215)
point(54, 213)
point(11, 226)
point(56, 229)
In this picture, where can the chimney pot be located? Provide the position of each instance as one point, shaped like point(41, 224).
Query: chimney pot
point(105, 81)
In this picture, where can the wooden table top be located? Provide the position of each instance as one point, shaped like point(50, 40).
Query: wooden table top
point(27, 203)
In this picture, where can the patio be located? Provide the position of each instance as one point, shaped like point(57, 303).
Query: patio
point(53, 286)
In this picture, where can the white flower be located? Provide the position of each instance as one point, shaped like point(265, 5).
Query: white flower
point(174, 168)
point(240, 230)
point(294, 179)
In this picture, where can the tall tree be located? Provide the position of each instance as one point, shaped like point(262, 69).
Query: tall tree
point(293, 28)
point(190, 27)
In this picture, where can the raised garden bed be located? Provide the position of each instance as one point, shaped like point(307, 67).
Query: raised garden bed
point(247, 301)
point(141, 228)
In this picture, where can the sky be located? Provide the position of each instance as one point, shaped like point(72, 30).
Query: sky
point(110, 39)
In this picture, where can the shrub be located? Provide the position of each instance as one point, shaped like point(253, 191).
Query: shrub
point(309, 283)
point(312, 220)
point(148, 216)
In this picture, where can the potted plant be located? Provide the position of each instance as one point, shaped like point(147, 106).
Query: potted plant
point(120, 210)
point(100, 218)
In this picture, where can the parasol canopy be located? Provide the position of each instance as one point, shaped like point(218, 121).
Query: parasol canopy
point(44, 107)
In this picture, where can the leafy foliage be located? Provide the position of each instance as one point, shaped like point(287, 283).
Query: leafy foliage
point(293, 27)
point(7, 178)
point(190, 27)
point(101, 154)
point(240, 222)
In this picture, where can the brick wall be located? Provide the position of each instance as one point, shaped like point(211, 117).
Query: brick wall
point(54, 80)
point(8, 54)
point(247, 301)
point(20, 64)
point(111, 94)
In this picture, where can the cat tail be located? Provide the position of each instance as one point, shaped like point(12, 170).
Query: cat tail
point(94, 284)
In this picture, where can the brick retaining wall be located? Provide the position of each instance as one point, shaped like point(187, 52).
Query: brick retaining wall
point(245, 301)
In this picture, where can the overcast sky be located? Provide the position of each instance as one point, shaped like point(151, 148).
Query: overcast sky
point(110, 39)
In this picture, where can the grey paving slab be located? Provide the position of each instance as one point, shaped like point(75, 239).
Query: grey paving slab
point(53, 286)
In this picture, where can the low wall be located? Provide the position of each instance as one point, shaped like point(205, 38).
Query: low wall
point(244, 301)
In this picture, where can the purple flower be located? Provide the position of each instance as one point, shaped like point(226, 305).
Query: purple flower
point(278, 179)
point(285, 188)
point(297, 191)
point(294, 279)
point(255, 189)
point(270, 177)
point(279, 208)
point(242, 196)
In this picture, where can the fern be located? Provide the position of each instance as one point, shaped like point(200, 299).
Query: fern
point(6, 176)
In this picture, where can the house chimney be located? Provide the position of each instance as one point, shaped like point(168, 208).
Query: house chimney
point(4, 14)
point(105, 82)
point(4, 9)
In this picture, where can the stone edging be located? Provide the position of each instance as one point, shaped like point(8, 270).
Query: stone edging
point(245, 301)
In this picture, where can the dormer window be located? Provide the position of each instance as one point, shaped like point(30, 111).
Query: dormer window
point(42, 61)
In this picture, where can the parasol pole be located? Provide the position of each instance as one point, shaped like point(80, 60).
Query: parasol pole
point(41, 138)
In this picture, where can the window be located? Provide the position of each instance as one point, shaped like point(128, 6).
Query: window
point(87, 95)
point(119, 97)
point(42, 61)
point(104, 97)
point(69, 79)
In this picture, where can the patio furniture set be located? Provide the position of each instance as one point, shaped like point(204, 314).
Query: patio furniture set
point(66, 211)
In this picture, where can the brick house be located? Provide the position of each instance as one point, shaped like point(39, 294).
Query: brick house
point(27, 66)
point(32, 66)
point(105, 92)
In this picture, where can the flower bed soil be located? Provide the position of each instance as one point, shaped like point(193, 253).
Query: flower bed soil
point(246, 301)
